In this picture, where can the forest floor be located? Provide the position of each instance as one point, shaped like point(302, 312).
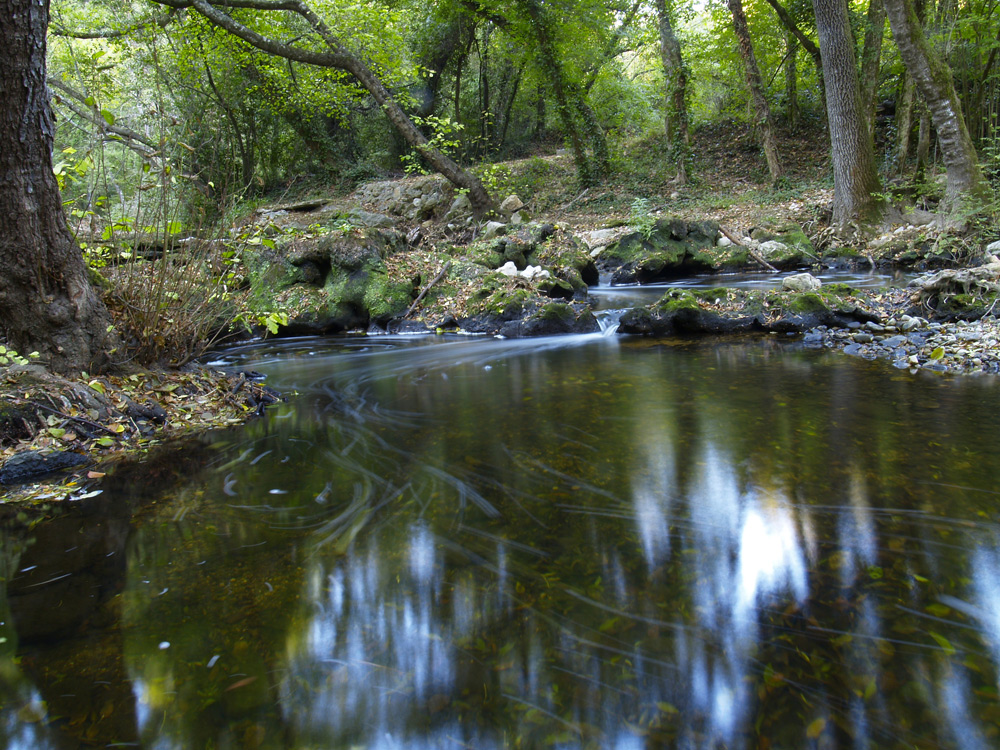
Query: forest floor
point(96, 419)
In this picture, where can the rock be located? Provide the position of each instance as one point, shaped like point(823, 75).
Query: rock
point(801, 282)
point(415, 236)
point(511, 204)
point(724, 241)
point(600, 237)
point(29, 465)
point(461, 205)
point(366, 219)
point(862, 338)
point(534, 272)
point(508, 269)
point(993, 248)
point(772, 248)
point(493, 229)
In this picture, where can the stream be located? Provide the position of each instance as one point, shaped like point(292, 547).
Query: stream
point(575, 542)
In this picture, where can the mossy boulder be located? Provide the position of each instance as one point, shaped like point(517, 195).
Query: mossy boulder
point(332, 282)
point(785, 247)
point(715, 311)
point(553, 318)
point(670, 249)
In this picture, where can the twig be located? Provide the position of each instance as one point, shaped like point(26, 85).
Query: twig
point(752, 253)
point(68, 416)
point(563, 208)
point(427, 288)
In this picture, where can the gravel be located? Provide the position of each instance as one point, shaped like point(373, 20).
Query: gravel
point(913, 343)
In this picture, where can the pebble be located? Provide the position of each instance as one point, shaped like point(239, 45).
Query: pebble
point(914, 343)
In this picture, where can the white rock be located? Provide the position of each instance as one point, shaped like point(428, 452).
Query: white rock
point(512, 203)
point(516, 218)
point(508, 269)
point(772, 247)
point(801, 282)
point(598, 250)
point(492, 229)
point(993, 247)
point(599, 237)
point(724, 241)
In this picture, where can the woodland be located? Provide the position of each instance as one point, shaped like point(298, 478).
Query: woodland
point(175, 119)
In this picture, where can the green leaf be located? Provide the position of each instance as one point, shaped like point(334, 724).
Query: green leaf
point(98, 386)
point(942, 642)
point(174, 227)
point(815, 729)
point(105, 441)
point(937, 353)
point(108, 117)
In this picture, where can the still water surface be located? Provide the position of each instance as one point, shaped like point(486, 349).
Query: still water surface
point(572, 542)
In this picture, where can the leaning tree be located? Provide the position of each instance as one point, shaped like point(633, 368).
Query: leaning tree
point(46, 302)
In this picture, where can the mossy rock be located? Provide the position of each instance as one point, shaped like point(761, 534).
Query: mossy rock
point(567, 258)
point(671, 249)
point(553, 318)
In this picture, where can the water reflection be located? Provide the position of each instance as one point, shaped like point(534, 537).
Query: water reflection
point(566, 543)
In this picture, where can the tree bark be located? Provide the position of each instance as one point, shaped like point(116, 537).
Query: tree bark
point(791, 79)
point(46, 302)
point(871, 59)
point(764, 123)
point(932, 77)
point(855, 177)
point(675, 118)
point(904, 124)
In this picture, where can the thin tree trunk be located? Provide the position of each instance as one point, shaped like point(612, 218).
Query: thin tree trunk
point(340, 58)
point(791, 79)
point(46, 302)
point(904, 124)
point(807, 44)
point(675, 117)
point(762, 112)
point(933, 80)
point(855, 178)
point(871, 59)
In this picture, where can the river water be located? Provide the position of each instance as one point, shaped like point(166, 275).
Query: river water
point(577, 542)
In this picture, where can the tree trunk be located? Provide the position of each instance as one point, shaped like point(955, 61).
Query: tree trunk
point(675, 118)
point(568, 102)
point(762, 112)
point(965, 183)
point(904, 124)
point(341, 58)
point(791, 79)
point(46, 302)
point(807, 44)
point(871, 59)
point(855, 178)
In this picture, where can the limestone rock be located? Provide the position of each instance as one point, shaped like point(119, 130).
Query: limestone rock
point(801, 282)
point(511, 204)
point(492, 229)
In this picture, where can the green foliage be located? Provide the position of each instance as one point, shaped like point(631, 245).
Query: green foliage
point(641, 217)
point(443, 136)
point(11, 357)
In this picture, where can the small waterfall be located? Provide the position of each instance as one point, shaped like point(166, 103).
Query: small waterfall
point(608, 321)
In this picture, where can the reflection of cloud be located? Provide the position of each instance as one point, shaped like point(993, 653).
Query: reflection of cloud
point(770, 558)
point(651, 497)
point(986, 563)
point(856, 527)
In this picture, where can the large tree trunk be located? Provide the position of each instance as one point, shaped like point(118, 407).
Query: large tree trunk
point(675, 119)
point(46, 302)
point(762, 112)
point(965, 183)
point(855, 178)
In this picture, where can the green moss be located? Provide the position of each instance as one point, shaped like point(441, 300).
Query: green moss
point(556, 312)
point(802, 303)
point(385, 299)
point(676, 300)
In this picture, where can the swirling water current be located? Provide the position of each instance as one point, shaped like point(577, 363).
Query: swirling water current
point(576, 542)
